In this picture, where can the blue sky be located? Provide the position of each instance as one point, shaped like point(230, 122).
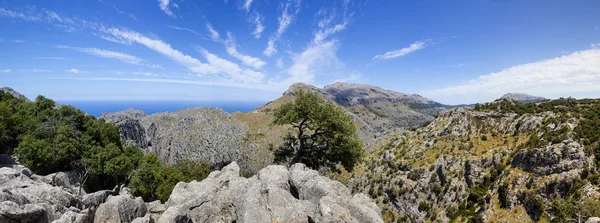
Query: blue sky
point(450, 51)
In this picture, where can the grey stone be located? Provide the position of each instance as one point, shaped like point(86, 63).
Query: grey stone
point(120, 209)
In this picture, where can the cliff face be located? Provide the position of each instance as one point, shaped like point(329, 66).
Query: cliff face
point(198, 134)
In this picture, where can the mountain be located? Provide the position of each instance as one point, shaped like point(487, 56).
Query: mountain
point(502, 162)
point(197, 134)
point(376, 111)
point(13, 93)
point(522, 97)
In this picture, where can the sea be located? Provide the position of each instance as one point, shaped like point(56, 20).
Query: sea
point(97, 108)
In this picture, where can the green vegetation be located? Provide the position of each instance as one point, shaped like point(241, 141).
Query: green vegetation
point(153, 181)
point(47, 137)
point(324, 134)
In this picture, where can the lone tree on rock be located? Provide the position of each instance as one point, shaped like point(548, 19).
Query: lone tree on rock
point(324, 135)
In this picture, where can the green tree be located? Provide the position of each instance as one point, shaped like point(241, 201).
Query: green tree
point(324, 133)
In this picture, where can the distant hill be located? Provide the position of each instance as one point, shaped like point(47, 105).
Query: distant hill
point(376, 111)
point(522, 97)
point(13, 93)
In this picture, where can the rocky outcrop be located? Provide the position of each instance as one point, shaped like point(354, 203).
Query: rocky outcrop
point(14, 93)
point(275, 194)
point(120, 209)
point(522, 97)
point(197, 134)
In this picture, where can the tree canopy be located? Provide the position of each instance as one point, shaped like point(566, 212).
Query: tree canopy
point(324, 134)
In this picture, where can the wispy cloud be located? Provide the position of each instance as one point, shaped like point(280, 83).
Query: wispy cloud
point(175, 81)
point(161, 47)
point(6, 71)
point(233, 71)
point(107, 54)
point(164, 5)
point(247, 4)
point(289, 12)
point(257, 20)
point(184, 29)
point(308, 63)
point(13, 41)
point(36, 71)
point(20, 15)
point(73, 70)
point(575, 73)
point(231, 47)
point(50, 58)
point(418, 45)
point(214, 35)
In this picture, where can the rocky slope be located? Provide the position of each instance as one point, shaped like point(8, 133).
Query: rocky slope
point(197, 134)
point(274, 195)
point(522, 97)
point(376, 111)
point(493, 165)
point(213, 135)
point(13, 93)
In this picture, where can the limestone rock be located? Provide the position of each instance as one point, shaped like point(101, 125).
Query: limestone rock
point(120, 209)
point(275, 194)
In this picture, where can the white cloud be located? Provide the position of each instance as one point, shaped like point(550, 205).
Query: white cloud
point(19, 15)
point(285, 19)
point(6, 71)
point(178, 81)
point(13, 41)
point(231, 47)
point(184, 29)
point(313, 60)
point(418, 45)
point(247, 4)
point(73, 70)
point(280, 64)
point(118, 11)
point(36, 71)
point(149, 74)
point(232, 70)
point(107, 54)
point(597, 45)
point(257, 20)
point(214, 35)
point(164, 5)
point(576, 73)
point(216, 68)
point(161, 47)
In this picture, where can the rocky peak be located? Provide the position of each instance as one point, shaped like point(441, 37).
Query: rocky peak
point(130, 113)
point(522, 97)
point(355, 93)
point(14, 93)
point(300, 86)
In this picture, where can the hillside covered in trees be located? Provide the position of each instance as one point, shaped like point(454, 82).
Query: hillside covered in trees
point(47, 137)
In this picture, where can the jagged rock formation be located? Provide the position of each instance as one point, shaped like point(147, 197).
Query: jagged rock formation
point(13, 93)
point(522, 97)
point(198, 134)
point(494, 166)
point(273, 195)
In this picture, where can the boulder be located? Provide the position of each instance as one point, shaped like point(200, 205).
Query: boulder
point(275, 194)
point(11, 212)
point(119, 209)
